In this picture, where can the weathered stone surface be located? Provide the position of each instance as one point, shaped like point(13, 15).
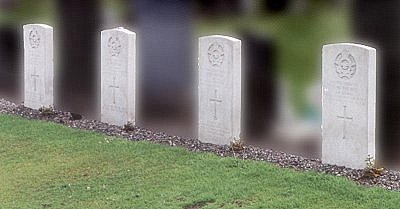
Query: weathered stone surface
point(348, 104)
point(118, 60)
point(38, 65)
point(219, 89)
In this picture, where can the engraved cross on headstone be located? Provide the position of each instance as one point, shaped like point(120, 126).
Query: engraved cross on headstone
point(215, 100)
point(344, 117)
point(113, 87)
point(35, 76)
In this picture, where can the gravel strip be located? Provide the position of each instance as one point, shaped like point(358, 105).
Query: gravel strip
point(389, 178)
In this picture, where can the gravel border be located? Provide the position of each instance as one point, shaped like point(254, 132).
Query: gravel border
point(389, 179)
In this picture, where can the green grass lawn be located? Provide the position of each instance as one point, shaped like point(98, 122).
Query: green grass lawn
point(46, 165)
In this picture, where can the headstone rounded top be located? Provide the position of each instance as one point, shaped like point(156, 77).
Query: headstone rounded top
point(38, 25)
point(119, 29)
point(350, 45)
point(220, 37)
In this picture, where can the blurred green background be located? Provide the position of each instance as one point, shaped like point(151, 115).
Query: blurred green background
point(299, 35)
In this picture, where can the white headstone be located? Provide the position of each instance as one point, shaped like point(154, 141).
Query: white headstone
point(219, 89)
point(38, 66)
point(348, 104)
point(118, 69)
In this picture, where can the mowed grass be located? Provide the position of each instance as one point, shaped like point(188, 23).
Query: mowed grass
point(47, 165)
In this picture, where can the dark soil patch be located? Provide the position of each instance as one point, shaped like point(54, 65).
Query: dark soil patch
point(199, 204)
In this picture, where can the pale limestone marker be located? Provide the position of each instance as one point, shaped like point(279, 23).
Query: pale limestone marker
point(118, 69)
point(219, 89)
point(348, 104)
point(38, 66)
